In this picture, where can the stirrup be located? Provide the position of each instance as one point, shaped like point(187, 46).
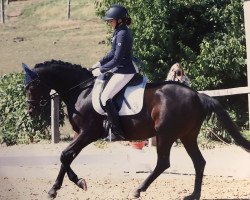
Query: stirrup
point(106, 125)
point(112, 135)
point(113, 138)
point(117, 132)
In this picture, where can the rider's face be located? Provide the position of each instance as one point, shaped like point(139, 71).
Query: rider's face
point(112, 23)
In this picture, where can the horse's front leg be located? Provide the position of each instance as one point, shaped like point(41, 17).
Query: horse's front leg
point(67, 156)
point(59, 180)
point(58, 183)
point(70, 153)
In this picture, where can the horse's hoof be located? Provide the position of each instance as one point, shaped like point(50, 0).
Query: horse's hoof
point(192, 197)
point(52, 193)
point(136, 194)
point(82, 184)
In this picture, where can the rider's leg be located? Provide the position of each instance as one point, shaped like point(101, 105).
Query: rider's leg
point(115, 84)
point(113, 119)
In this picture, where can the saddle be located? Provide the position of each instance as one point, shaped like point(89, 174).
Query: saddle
point(128, 101)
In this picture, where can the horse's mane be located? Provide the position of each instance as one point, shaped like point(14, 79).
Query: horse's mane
point(65, 65)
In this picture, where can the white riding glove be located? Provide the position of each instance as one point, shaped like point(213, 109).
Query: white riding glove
point(96, 72)
point(96, 69)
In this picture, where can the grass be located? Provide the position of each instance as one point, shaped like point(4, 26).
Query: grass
point(38, 30)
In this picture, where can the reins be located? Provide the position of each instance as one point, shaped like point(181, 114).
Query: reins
point(72, 88)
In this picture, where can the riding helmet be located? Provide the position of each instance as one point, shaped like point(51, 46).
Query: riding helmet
point(116, 12)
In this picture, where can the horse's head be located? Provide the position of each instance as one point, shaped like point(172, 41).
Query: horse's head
point(67, 79)
point(38, 94)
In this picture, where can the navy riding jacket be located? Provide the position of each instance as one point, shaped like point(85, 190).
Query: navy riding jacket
point(119, 59)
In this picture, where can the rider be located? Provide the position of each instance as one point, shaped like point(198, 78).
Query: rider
point(118, 61)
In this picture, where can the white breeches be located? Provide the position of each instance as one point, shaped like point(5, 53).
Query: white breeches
point(115, 84)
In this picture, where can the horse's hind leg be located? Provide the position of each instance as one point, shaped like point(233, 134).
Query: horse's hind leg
point(199, 162)
point(163, 152)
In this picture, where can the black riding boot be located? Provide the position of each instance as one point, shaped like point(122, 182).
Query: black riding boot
point(113, 118)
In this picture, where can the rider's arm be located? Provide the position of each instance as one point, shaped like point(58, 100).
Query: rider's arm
point(107, 58)
point(120, 49)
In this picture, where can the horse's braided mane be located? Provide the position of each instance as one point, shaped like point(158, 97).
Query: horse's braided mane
point(61, 63)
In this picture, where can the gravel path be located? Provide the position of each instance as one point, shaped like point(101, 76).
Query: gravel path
point(28, 171)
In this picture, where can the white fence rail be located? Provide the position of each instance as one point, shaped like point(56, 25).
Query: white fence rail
point(227, 92)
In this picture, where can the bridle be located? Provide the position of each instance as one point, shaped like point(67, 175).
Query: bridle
point(43, 101)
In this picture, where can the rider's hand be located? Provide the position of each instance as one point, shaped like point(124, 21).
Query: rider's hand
point(96, 72)
point(96, 65)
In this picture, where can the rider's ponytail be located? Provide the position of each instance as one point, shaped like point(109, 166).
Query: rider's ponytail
point(128, 21)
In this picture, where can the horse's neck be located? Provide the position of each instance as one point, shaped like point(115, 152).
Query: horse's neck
point(70, 93)
point(67, 85)
point(70, 99)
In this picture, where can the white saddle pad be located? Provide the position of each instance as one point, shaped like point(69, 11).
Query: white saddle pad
point(133, 95)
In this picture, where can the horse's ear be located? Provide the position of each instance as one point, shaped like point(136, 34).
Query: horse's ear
point(30, 75)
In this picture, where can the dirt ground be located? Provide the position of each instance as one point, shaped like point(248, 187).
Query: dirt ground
point(112, 172)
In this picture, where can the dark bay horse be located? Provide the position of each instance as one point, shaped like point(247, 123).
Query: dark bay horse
point(170, 111)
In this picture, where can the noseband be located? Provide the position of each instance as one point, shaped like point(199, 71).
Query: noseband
point(41, 103)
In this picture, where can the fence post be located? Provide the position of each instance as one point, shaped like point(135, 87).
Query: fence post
point(247, 32)
point(2, 11)
point(152, 141)
point(55, 134)
point(68, 11)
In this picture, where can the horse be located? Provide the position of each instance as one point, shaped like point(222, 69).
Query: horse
point(170, 111)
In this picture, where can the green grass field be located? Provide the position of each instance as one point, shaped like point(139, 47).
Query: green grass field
point(38, 30)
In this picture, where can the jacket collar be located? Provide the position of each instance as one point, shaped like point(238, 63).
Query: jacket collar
point(120, 27)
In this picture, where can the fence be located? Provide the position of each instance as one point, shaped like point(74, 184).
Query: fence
point(2, 12)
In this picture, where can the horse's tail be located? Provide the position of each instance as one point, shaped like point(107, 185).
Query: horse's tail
point(210, 106)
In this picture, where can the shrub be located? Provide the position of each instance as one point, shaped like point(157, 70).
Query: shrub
point(16, 125)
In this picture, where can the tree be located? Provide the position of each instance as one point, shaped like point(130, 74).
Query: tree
point(207, 37)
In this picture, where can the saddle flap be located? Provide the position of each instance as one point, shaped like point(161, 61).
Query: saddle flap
point(128, 101)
